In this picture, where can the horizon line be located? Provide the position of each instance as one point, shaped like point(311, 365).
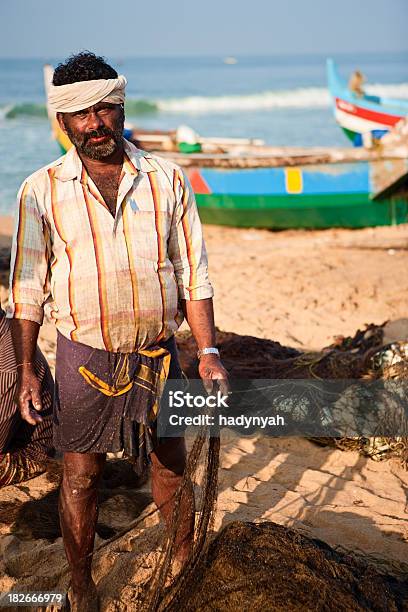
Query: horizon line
point(221, 55)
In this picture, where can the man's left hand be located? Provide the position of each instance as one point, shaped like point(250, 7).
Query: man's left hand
point(211, 369)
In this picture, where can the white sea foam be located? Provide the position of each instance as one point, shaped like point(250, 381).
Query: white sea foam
point(4, 110)
point(308, 97)
point(295, 98)
point(398, 90)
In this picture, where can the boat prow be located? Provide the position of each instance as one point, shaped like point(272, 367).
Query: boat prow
point(362, 118)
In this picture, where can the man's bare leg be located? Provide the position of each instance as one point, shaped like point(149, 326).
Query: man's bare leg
point(168, 463)
point(78, 510)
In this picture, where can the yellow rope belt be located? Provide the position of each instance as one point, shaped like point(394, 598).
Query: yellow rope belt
point(144, 376)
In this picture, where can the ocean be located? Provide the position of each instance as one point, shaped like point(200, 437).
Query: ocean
point(281, 99)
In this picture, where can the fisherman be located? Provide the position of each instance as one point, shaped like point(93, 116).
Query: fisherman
point(26, 438)
point(113, 235)
point(356, 83)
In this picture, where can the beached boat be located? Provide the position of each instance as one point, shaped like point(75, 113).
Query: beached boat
point(317, 196)
point(244, 183)
point(364, 116)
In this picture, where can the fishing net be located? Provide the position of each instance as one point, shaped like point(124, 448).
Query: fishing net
point(222, 576)
point(157, 597)
point(265, 566)
point(389, 364)
point(359, 357)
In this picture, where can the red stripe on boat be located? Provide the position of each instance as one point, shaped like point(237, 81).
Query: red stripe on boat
point(364, 113)
point(198, 184)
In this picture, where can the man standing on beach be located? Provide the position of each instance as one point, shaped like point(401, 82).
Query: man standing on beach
point(111, 237)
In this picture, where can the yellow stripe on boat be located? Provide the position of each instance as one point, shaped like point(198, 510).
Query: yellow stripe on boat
point(293, 180)
point(60, 136)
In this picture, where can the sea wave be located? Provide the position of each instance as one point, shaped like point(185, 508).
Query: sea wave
point(307, 97)
point(29, 109)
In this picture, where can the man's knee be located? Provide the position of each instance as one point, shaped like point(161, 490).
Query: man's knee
point(82, 474)
point(81, 482)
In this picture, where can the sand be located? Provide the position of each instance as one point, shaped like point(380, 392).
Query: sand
point(301, 289)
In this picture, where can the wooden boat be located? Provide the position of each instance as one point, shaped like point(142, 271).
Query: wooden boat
point(244, 183)
point(363, 116)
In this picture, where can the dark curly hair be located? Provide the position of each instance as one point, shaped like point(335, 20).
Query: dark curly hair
point(84, 66)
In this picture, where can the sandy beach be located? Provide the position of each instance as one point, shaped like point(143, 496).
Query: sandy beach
point(301, 289)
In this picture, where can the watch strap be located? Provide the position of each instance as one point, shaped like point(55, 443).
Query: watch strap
point(210, 350)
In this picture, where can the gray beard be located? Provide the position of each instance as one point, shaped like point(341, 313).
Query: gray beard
point(96, 151)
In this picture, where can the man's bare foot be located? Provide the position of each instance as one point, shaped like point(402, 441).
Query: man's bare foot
point(84, 598)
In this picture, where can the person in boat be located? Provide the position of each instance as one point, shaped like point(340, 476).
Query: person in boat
point(356, 83)
point(26, 438)
point(113, 234)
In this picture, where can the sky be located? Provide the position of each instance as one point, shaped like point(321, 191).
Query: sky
point(131, 28)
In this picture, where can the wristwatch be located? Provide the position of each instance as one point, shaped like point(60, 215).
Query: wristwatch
point(211, 350)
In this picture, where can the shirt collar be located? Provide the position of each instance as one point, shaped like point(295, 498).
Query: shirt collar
point(135, 161)
point(138, 160)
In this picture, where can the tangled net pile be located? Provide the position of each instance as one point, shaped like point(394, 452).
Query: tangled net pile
point(265, 566)
point(360, 357)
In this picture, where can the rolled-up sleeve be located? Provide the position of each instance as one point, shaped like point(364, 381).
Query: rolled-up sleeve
point(186, 246)
point(29, 269)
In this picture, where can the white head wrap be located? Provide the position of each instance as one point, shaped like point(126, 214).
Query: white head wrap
point(83, 94)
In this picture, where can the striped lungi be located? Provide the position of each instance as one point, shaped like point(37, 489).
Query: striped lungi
point(108, 402)
point(23, 447)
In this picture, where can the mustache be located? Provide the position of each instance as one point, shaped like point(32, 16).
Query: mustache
point(103, 131)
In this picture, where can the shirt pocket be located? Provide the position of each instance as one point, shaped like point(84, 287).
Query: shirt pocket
point(149, 234)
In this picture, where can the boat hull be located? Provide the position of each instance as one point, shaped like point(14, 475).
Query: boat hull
point(319, 196)
point(300, 211)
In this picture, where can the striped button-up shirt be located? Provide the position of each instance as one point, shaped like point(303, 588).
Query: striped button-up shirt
point(112, 282)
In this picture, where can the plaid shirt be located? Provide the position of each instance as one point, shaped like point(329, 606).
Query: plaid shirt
point(113, 283)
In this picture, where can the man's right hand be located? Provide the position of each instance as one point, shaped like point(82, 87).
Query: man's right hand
point(28, 394)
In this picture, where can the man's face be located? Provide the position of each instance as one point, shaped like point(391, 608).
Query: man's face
point(96, 131)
